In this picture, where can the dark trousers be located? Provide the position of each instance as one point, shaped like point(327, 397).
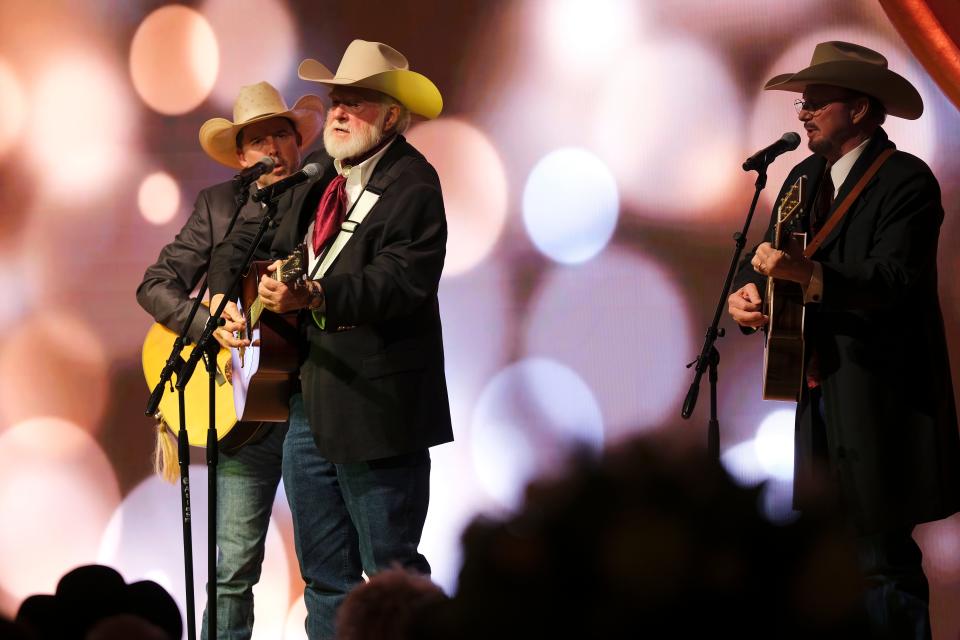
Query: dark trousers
point(350, 518)
point(897, 595)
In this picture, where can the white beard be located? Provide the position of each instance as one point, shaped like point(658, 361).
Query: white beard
point(362, 138)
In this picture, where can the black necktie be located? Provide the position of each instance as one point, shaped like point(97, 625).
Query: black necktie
point(821, 208)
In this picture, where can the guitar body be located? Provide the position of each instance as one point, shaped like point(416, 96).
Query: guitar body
point(263, 373)
point(783, 303)
point(783, 352)
point(230, 433)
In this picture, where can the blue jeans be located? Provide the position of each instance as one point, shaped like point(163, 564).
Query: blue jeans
point(350, 518)
point(246, 487)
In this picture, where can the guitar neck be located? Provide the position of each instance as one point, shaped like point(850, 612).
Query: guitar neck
point(256, 308)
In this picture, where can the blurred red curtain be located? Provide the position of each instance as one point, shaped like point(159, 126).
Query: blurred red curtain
point(931, 28)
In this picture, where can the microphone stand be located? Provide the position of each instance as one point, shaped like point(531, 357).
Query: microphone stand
point(176, 365)
point(709, 358)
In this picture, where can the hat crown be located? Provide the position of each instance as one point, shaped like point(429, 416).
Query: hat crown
point(363, 59)
point(255, 100)
point(837, 51)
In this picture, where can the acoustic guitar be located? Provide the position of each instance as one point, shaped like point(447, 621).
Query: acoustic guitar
point(264, 372)
point(783, 303)
point(230, 434)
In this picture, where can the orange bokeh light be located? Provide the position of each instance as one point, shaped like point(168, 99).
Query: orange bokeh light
point(52, 364)
point(474, 188)
point(159, 198)
point(57, 487)
point(12, 107)
point(174, 59)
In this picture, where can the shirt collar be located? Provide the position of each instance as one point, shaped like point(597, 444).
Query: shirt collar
point(841, 168)
point(360, 174)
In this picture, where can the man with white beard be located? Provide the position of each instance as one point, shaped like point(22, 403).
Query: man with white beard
point(374, 397)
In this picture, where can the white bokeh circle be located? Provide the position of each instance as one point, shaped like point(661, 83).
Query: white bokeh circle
point(257, 40)
point(144, 540)
point(570, 205)
point(580, 36)
point(774, 444)
point(529, 415)
point(80, 104)
point(669, 124)
point(622, 322)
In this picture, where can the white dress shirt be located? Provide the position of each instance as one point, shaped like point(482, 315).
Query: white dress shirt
point(838, 173)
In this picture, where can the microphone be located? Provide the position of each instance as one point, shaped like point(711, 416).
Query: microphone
point(278, 188)
point(789, 142)
point(254, 171)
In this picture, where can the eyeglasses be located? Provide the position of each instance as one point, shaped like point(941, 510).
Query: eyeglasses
point(814, 106)
point(350, 104)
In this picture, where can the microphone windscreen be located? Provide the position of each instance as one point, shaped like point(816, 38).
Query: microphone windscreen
point(267, 162)
point(792, 138)
point(312, 170)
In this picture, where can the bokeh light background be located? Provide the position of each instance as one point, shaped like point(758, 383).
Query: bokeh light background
point(589, 152)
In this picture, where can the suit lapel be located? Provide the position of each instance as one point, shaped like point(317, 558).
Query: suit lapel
point(877, 144)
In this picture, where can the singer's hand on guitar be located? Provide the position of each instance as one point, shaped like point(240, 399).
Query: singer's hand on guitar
point(228, 334)
point(778, 264)
point(744, 306)
point(278, 297)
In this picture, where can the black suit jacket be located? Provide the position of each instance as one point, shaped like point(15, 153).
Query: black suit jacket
point(165, 290)
point(891, 423)
point(373, 379)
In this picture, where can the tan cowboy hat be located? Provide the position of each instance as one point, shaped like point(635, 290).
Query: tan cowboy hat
point(374, 65)
point(257, 102)
point(842, 64)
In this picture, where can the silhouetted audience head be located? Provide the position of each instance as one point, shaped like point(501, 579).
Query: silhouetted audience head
point(651, 538)
point(389, 605)
point(126, 626)
point(91, 594)
point(10, 630)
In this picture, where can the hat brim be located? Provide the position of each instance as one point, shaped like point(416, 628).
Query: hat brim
point(218, 136)
point(899, 97)
point(413, 90)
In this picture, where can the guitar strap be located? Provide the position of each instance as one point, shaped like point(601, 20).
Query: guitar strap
point(841, 210)
point(358, 212)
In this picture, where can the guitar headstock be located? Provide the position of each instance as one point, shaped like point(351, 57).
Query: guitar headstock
point(294, 268)
point(791, 201)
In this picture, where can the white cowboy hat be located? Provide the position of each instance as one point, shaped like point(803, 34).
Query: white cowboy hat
point(257, 102)
point(374, 65)
point(847, 65)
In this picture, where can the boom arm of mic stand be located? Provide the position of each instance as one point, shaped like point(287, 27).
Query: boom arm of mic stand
point(215, 319)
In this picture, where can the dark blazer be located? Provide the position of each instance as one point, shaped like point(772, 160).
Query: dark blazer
point(891, 424)
point(373, 379)
point(165, 290)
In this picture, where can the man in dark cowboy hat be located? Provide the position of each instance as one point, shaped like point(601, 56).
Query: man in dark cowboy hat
point(877, 411)
point(374, 396)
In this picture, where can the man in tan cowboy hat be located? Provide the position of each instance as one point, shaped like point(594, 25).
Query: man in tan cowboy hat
point(374, 395)
point(877, 411)
point(247, 477)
